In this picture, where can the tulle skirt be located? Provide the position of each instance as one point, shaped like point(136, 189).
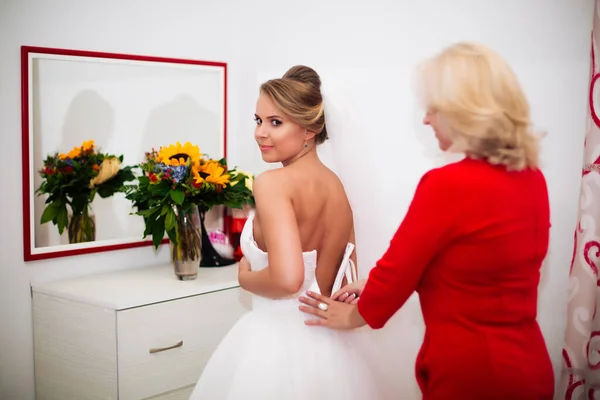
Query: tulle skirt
point(272, 355)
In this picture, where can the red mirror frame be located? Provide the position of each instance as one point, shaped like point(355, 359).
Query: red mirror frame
point(26, 51)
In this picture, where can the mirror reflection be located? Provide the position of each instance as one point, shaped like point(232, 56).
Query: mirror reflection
point(103, 114)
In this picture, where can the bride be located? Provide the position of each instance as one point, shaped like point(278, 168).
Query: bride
point(301, 238)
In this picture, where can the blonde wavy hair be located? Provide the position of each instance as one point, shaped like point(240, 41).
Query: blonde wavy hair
point(479, 102)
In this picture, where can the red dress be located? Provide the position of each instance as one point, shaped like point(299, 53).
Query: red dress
point(471, 244)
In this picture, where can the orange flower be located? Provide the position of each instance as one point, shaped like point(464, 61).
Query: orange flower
point(88, 145)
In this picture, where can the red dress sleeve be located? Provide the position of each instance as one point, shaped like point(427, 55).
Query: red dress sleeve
point(426, 228)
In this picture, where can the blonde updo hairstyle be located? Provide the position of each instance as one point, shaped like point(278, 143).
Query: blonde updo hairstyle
point(298, 95)
point(479, 102)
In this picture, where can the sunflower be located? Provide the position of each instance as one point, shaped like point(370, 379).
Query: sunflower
point(198, 179)
point(215, 173)
point(176, 154)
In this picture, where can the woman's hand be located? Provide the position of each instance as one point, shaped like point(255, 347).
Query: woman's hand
point(333, 314)
point(350, 293)
point(243, 268)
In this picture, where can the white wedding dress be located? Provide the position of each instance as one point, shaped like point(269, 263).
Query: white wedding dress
point(270, 354)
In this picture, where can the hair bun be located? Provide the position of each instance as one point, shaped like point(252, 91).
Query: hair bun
point(302, 73)
point(298, 95)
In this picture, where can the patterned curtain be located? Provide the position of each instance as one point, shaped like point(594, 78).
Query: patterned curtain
point(580, 378)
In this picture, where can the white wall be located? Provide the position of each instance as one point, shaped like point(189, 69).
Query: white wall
point(373, 45)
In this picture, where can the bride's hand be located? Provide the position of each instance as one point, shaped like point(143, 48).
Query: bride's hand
point(332, 314)
point(350, 293)
point(243, 266)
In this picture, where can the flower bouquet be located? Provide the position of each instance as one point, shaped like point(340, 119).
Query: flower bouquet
point(177, 187)
point(72, 180)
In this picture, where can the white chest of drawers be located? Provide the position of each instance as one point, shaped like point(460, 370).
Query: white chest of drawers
point(136, 334)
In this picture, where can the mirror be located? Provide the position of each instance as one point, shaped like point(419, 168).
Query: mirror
point(126, 104)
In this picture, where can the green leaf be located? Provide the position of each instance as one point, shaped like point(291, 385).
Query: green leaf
point(147, 228)
point(126, 174)
point(177, 196)
point(62, 218)
point(170, 220)
point(109, 188)
point(145, 213)
point(79, 202)
point(172, 233)
point(50, 212)
point(160, 189)
point(158, 231)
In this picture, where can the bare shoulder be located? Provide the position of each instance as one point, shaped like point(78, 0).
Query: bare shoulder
point(270, 183)
point(335, 178)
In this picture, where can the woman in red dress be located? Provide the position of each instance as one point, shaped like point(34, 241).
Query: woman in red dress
point(471, 244)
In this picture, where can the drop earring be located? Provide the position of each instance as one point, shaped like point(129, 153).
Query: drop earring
point(305, 145)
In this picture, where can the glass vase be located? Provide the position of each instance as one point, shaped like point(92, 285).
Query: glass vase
point(82, 227)
point(187, 253)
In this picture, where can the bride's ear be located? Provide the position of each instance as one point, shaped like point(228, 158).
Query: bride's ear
point(308, 135)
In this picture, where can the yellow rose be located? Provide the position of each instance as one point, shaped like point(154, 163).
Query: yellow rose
point(108, 169)
point(249, 181)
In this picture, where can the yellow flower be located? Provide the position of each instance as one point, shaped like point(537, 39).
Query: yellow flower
point(88, 145)
point(247, 176)
point(75, 152)
point(248, 180)
point(216, 173)
point(176, 154)
point(198, 179)
point(108, 169)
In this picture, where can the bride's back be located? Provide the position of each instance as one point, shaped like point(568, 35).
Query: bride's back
point(323, 215)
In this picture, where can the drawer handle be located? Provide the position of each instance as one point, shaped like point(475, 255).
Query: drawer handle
point(152, 351)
